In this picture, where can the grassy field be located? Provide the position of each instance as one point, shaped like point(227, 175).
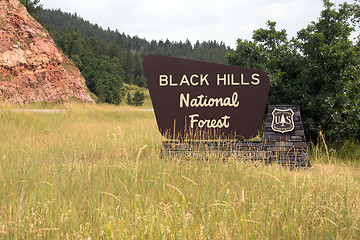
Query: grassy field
point(93, 172)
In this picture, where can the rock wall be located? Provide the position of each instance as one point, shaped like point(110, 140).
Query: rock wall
point(32, 68)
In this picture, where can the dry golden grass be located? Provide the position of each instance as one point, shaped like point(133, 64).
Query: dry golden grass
point(94, 172)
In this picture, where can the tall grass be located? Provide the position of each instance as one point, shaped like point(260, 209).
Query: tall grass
point(93, 172)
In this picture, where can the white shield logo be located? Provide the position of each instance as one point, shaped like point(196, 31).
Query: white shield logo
point(283, 120)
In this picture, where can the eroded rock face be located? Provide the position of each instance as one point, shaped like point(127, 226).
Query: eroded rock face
point(32, 68)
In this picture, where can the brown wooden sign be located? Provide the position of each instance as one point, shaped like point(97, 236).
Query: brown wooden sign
point(200, 100)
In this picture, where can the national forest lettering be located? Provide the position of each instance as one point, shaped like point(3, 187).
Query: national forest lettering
point(201, 100)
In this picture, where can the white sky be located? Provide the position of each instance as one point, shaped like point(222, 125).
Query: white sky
point(221, 20)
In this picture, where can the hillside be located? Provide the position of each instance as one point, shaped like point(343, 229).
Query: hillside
point(32, 68)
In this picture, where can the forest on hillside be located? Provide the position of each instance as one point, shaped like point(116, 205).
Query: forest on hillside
point(107, 59)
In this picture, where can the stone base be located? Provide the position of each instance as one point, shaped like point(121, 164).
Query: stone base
point(288, 145)
point(287, 149)
point(267, 152)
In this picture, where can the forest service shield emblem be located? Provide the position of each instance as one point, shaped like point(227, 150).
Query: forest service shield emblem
point(283, 120)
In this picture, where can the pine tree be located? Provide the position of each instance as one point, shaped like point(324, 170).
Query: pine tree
point(129, 99)
point(138, 98)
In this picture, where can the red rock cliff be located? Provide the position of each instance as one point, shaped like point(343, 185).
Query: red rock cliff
point(32, 68)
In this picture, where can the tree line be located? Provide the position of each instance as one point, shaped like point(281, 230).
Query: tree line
point(107, 59)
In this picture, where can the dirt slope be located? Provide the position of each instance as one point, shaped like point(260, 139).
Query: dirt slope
point(32, 68)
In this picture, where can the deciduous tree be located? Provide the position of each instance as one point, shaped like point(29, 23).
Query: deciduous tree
point(318, 70)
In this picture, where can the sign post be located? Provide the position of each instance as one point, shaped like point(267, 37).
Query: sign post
point(208, 110)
